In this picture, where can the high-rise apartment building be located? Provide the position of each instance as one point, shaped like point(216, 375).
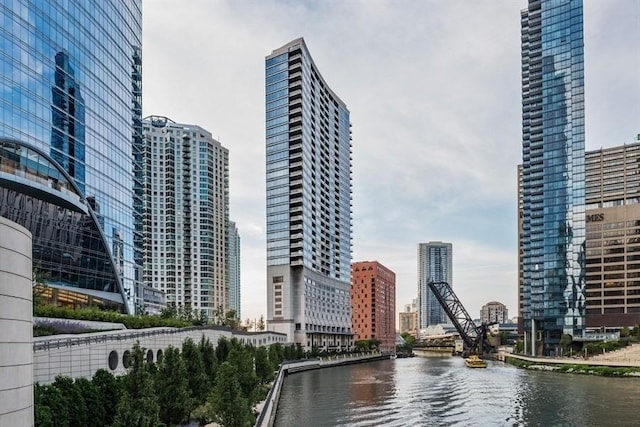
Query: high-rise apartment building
point(308, 149)
point(234, 269)
point(553, 185)
point(494, 311)
point(373, 303)
point(435, 264)
point(187, 214)
point(70, 144)
point(613, 236)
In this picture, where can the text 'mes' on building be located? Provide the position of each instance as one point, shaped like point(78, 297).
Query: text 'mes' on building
point(552, 292)
point(373, 303)
point(70, 144)
point(308, 183)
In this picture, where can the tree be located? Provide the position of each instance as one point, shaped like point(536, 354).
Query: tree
point(222, 349)
point(218, 315)
point(108, 389)
point(231, 320)
point(408, 339)
point(242, 359)
point(565, 342)
point(276, 354)
point(261, 325)
point(264, 368)
point(172, 388)
point(138, 404)
point(198, 379)
point(209, 360)
point(38, 288)
point(73, 400)
point(94, 405)
point(50, 407)
point(228, 406)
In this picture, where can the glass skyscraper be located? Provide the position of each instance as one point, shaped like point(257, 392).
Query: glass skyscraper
point(233, 269)
point(435, 264)
point(70, 135)
point(552, 289)
point(308, 149)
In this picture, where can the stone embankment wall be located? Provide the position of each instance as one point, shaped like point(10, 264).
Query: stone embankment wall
point(16, 330)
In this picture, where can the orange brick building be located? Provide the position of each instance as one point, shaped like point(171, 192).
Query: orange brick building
point(373, 303)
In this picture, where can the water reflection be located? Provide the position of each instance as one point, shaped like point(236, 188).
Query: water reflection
point(443, 392)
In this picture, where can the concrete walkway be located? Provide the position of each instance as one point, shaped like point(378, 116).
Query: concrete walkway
point(626, 357)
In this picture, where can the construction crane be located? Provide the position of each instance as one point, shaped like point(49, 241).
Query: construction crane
point(474, 337)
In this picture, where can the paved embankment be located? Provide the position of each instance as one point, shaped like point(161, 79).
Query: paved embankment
point(594, 361)
point(268, 413)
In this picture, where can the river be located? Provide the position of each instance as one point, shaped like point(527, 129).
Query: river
point(442, 391)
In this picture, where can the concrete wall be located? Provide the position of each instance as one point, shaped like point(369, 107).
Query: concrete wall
point(81, 355)
point(16, 331)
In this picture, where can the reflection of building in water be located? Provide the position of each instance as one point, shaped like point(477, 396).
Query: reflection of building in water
point(70, 119)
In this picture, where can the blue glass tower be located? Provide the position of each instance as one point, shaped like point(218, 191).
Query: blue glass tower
point(435, 264)
point(308, 149)
point(70, 143)
point(553, 174)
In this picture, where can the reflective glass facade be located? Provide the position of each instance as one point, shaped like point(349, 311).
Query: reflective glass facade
point(308, 176)
point(435, 264)
point(70, 86)
point(234, 269)
point(553, 173)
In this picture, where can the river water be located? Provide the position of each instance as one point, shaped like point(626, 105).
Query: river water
point(442, 391)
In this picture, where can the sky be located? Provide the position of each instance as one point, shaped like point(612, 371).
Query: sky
point(433, 87)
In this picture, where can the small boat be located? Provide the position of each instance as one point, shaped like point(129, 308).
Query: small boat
point(474, 361)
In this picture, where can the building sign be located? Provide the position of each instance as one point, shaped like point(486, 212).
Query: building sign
point(595, 217)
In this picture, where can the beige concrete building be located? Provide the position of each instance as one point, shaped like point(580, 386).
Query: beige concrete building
point(408, 322)
point(494, 311)
point(613, 236)
point(612, 250)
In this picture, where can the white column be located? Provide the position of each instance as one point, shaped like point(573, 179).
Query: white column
point(533, 337)
point(16, 326)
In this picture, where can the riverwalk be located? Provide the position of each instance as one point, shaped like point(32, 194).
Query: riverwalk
point(627, 357)
point(270, 405)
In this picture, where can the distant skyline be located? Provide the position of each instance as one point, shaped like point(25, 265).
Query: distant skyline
point(434, 93)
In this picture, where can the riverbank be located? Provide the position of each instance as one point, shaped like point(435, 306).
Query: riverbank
point(270, 405)
point(573, 365)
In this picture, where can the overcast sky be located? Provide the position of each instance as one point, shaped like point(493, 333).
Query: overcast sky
point(433, 87)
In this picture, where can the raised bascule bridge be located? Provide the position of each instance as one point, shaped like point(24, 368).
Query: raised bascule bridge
point(474, 337)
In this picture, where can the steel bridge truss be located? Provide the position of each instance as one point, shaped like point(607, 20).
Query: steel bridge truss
point(472, 335)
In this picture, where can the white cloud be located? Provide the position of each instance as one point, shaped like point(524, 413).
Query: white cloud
point(434, 93)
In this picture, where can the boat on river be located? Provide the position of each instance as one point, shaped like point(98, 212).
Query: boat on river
point(474, 361)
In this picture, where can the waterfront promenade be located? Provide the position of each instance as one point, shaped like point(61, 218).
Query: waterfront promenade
point(625, 357)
